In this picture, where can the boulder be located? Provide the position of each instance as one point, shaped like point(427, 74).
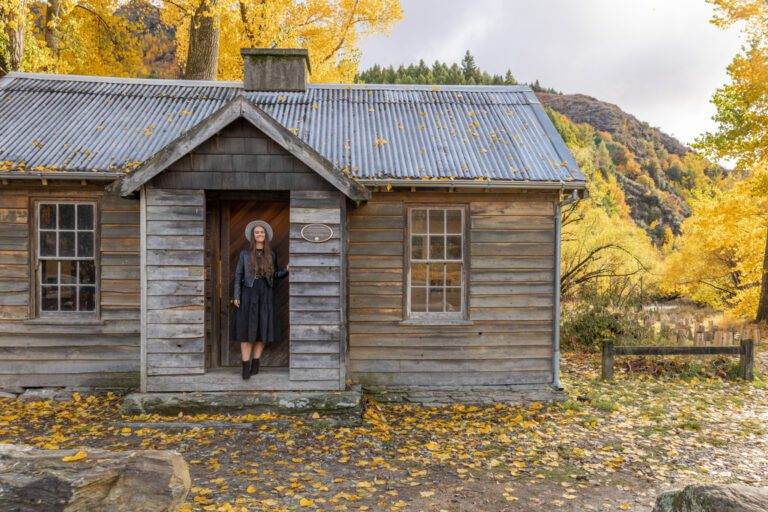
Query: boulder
point(91, 480)
point(714, 498)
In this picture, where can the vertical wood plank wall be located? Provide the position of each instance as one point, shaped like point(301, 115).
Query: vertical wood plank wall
point(174, 325)
point(317, 315)
point(508, 338)
point(102, 351)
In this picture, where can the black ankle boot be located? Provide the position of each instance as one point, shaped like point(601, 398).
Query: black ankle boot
point(246, 370)
point(255, 366)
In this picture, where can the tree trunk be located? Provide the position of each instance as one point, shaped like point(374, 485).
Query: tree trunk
point(51, 28)
point(203, 51)
point(762, 306)
point(15, 36)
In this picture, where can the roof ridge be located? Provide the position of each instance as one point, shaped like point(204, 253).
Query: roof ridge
point(239, 85)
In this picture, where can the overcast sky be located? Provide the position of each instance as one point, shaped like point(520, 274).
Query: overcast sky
point(660, 60)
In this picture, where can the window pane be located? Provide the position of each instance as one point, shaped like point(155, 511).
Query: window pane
point(84, 244)
point(436, 274)
point(437, 247)
point(66, 243)
point(47, 216)
point(47, 243)
point(68, 272)
point(419, 247)
point(453, 299)
point(50, 298)
point(85, 216)
point(453, 248)
point(436, 221)
point(419, 221)
point(50, 273)
point(435, 300)
point(87, 299)
point(418, 300)
point(66, 216)
point(87, 272)
point(453, 274)
point(419, 274)
point(453, 221)
point(68, 298)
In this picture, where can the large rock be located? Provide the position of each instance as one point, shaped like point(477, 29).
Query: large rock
point(129, 481)
point(714, 498)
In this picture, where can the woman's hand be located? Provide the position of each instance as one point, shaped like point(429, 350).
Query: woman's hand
point(236, 303)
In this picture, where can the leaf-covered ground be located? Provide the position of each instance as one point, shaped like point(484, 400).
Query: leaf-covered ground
point(611, 446)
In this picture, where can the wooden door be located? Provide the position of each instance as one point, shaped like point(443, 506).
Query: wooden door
point(235, 216)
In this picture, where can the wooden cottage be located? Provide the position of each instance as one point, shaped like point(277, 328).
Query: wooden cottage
point(421, 224)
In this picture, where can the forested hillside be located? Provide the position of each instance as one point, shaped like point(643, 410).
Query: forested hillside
point(656, 173)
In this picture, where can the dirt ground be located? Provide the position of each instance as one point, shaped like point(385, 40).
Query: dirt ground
point(611, 446)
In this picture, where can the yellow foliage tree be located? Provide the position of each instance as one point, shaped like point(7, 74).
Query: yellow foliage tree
point(742, 135)
point(68, 36)
point(718, 258)
point(98, 38)
point(329, 29)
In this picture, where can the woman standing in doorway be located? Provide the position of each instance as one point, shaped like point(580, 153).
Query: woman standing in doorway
point(256, 322)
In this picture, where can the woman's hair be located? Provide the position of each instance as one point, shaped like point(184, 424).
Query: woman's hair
point(261, 264)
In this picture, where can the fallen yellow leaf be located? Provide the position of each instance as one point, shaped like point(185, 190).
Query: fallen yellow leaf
point(80, 455)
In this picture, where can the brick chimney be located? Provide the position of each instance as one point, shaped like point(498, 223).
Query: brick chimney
point(275, 69)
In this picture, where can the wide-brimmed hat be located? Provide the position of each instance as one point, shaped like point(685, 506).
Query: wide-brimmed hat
point(253, 224)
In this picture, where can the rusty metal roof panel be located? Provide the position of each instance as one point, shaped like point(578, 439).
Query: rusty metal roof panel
point(58, 123)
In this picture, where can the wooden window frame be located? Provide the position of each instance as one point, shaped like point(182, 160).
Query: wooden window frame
point(36, 311)
point(437, 317)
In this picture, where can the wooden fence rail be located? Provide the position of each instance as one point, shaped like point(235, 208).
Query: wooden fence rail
point(745, 351)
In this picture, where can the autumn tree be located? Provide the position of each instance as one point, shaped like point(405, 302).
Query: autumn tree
point(212, 32)
point(742, 124)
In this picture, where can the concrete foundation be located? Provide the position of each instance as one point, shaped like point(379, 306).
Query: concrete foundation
point(446, 395)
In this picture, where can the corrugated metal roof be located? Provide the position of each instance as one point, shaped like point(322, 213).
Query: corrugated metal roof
point(54, 123)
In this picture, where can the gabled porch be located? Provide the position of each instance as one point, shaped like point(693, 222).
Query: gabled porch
point(239, 163)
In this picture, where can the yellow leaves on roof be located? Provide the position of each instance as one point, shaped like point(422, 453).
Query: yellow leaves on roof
point(380, 141)
point(149, 130)
point(10, 165)
point(37, 144)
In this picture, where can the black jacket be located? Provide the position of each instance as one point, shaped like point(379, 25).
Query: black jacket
point(244, 276)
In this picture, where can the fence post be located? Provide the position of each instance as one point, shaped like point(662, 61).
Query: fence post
point(747, 360)
point(607, 372)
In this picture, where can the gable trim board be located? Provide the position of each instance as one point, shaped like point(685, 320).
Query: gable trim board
point(233, 110)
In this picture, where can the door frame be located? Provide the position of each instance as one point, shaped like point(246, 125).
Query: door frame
point(217, 313)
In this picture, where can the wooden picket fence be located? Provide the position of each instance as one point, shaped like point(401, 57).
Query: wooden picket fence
point(745, 350)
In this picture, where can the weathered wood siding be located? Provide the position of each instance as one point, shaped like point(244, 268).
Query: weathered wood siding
point(507, 338)
point(99, 351)
point(174, 330)
point(240, 157)
point(317, 313)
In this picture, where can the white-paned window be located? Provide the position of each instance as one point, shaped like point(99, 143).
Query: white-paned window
point(436, 262)
point(66, 250)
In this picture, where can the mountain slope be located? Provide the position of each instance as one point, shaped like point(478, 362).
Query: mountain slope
point(656, 172)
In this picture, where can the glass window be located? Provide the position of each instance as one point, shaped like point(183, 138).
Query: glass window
point(67, 271)
point(436, 266)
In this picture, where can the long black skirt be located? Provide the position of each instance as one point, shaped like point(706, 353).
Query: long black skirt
point(256, 318)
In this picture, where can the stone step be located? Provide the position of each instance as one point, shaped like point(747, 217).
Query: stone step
point(331, 407)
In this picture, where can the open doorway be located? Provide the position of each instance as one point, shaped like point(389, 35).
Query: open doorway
point(226, 219)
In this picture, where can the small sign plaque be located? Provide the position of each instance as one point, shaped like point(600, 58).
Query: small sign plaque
point(316, 232)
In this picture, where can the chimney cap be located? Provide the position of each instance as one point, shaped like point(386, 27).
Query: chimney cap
point(278, 52)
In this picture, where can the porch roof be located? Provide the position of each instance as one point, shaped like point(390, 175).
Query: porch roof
point(375, 133)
